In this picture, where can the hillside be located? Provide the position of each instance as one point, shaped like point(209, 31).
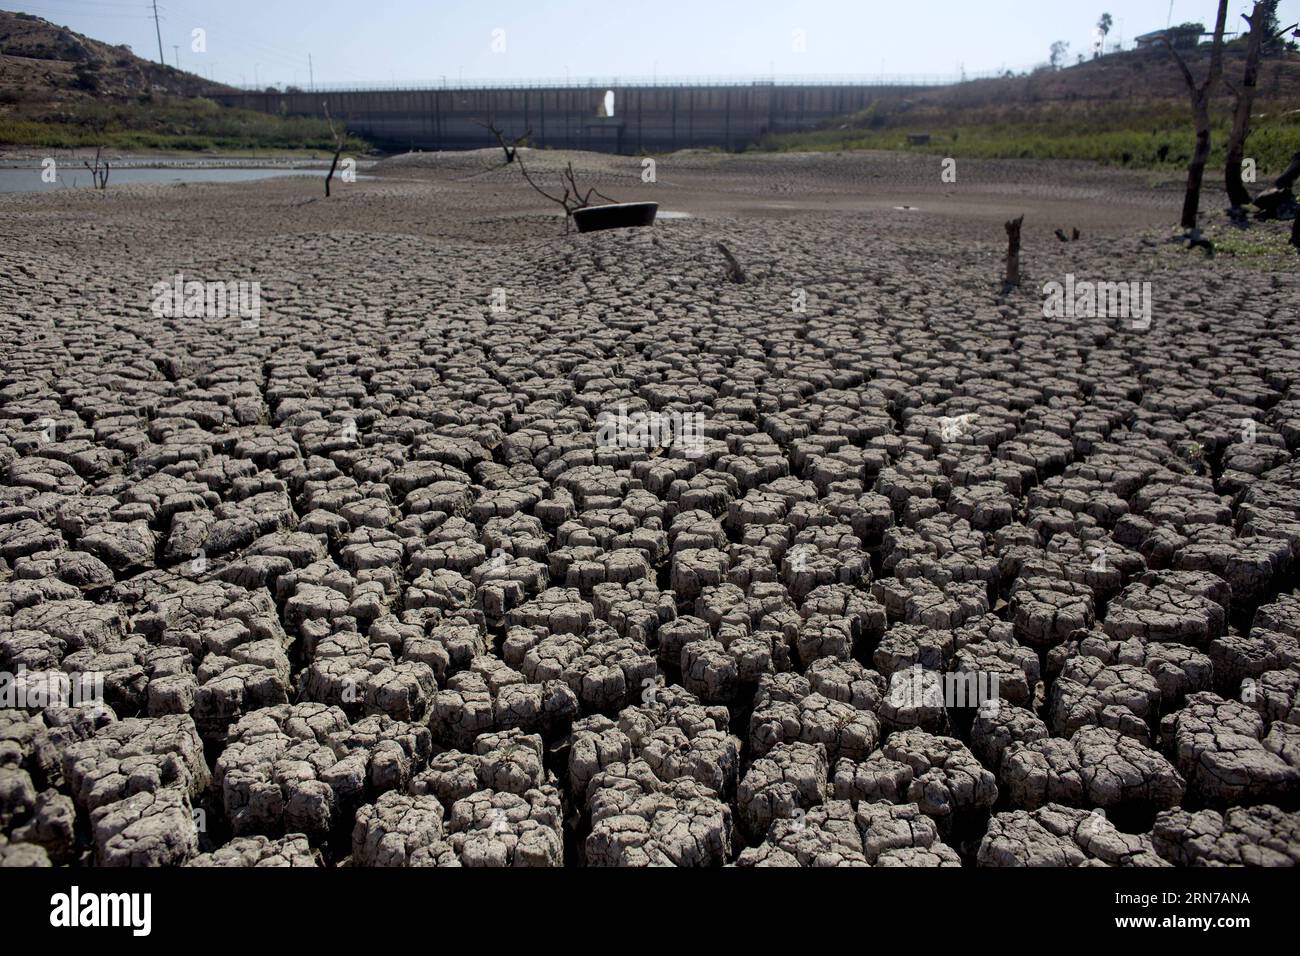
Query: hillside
point(59, 88)
point(1126, 109)
point(40, 58)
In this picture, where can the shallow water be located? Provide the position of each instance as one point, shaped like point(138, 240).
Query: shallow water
point(28, 179)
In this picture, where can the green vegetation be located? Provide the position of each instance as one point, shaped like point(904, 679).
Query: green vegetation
point(1151, 137)
point(155, 122)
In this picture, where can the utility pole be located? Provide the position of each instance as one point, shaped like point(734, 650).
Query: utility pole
point(177, 50)
point(311, 75)
point(158, 30)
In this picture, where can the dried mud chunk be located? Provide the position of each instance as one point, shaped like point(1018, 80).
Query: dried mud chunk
point(948, 783)
point(609, 673)
point(790, 777)
point(52, 825)
point(25, 855)
point(1282, 616)
point(1250, 565)
point(1243, 836)
point(675, 635)
point(145, 829)
point(462, 711)
point(1217, 746)
point(1238, 658)
point(1041, 772)
point(78, 624)
point(509, 761)
point(490, 829)
point(1008, 671)
point(826, 836)
point(1046, 611)
point(547, 708)
point(847, 681)
point(1054, 836)
point(710, 757)
point(1162, 612)
point(694, 569)
point(596, 744)
point(842, 729)
point(709, 672)
point(875, 780)
point(389, 831)
point(1276, 696)
point(866, 616)
point(891, 835)
point(916, 699)
point(291, 850)
point(911, 645)
point(637, 820)
point(449, 777)
point(1118, 772)
point(138, 755)
point(825, 636)
point(995, 730)
point(1119, 696)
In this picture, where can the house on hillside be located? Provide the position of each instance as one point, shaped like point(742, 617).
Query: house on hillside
point(1182, 37)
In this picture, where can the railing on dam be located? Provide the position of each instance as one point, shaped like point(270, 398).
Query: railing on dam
point(645, 118)
point(448, 82)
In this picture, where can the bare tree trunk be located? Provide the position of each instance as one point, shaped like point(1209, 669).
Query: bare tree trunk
point(333, 166)
point(340, 141)
point(1196, 170)
point(1200, 96)
point(1238, 195)
point(1012, 281)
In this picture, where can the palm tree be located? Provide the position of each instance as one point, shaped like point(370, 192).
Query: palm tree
point(1103, 27)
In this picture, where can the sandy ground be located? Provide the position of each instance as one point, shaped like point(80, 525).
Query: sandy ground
point(367, 586)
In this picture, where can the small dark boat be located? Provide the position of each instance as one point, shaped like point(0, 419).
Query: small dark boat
point(618, 215)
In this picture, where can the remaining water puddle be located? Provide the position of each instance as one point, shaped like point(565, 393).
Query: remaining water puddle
point(28, 179)
point(673, 214)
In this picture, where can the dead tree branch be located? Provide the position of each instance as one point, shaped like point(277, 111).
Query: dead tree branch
point(735, 271)
point(573, 199)
point(99, 171)
point(339, 142)
point(511, 149)
point(1201, 95)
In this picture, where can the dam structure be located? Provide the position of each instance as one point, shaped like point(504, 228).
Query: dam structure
point(614, 118)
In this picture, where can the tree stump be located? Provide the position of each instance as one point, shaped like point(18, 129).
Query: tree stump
point(1012, 280)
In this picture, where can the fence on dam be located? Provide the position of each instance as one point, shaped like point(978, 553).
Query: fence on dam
point(650, 118)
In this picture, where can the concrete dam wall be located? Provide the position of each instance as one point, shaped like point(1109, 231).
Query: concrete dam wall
point(645, 118)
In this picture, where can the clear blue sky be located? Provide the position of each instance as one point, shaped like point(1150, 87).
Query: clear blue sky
point(415, 41)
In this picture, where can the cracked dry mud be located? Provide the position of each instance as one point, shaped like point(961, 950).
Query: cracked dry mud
point(363, 588)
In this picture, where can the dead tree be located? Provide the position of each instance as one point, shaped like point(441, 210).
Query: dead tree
point(735, 271)
point(1201, 95)
point(340, 140)
point(1238, 195)
point(1012, 280)
point(511, 149)
point(573, 198)
point(99, 171)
